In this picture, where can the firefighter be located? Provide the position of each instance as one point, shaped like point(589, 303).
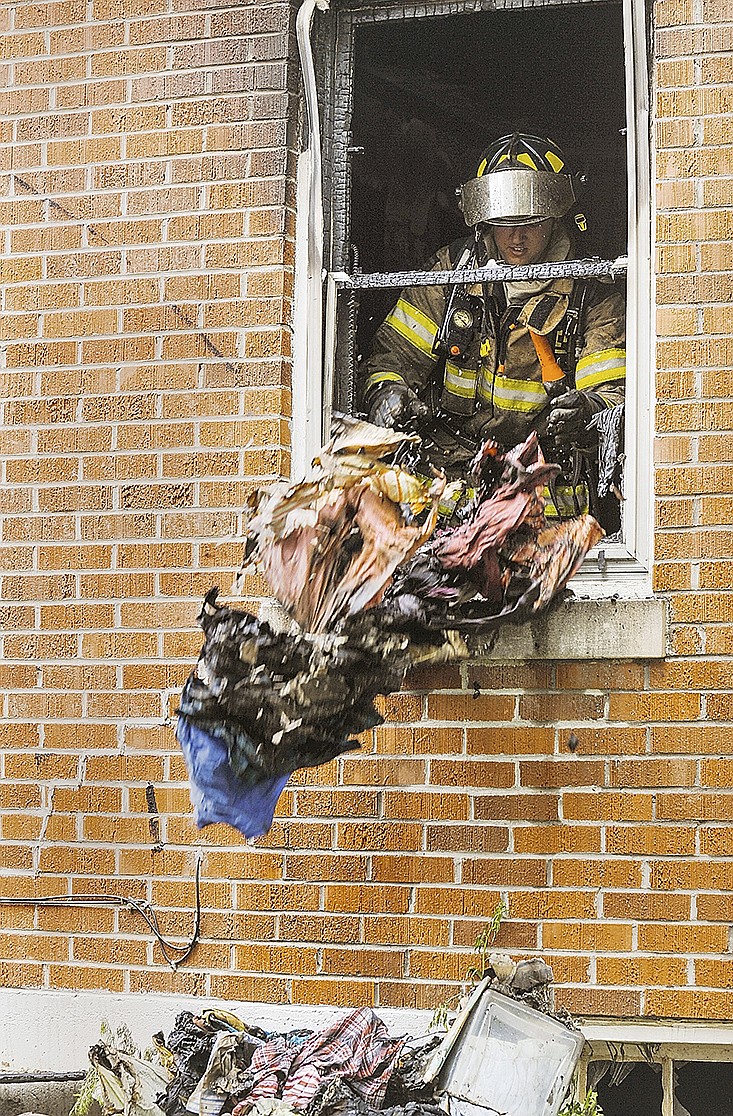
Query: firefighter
point(463, 363)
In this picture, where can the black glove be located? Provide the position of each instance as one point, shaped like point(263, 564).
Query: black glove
point(394, 404)
point(570, 415)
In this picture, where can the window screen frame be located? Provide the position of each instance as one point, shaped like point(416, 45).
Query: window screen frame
point(611, 568)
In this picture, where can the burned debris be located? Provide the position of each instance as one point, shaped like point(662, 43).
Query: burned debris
point(372, 582)
point(499, 1055)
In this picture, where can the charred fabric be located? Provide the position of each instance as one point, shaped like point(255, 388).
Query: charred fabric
point(212, 1062)
point(372, 578)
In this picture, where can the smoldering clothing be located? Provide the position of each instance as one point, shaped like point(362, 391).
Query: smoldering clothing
point(352, 1067)
point(357, 1047)
point(495, 389)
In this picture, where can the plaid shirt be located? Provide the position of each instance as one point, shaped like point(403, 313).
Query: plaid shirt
point(356, 1047)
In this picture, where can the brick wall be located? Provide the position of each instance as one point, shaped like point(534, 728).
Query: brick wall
point(146, 287)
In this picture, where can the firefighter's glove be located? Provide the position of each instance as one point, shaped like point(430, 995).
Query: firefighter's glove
point(568, 420)
point(394, 405)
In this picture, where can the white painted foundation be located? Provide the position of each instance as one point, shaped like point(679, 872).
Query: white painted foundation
point(52, 1031)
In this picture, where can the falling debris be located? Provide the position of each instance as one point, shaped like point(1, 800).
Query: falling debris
point(261, 704)
point(504, 562)
point(371, 586)
point(329, 546)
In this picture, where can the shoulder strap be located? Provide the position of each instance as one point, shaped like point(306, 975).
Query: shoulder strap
point(569, 332)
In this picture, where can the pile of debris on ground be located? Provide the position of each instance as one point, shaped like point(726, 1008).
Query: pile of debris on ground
point(371, 581)
point(501, 1055)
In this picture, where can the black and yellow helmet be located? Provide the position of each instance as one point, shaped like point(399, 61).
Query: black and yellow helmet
point(520, 150)
point(520, 180)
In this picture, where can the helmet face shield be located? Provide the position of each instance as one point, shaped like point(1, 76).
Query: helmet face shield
point(516, 197)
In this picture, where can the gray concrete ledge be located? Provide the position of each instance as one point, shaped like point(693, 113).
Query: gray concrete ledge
point(580, 628)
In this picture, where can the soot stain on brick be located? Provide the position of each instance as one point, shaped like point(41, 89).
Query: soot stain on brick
point(572, 742)
point(153, 820)
point(208, 343)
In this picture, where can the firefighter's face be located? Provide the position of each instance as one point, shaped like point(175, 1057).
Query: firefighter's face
point(523, 244)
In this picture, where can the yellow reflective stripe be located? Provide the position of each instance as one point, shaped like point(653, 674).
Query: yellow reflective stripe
point(382, 377)
point(414, 326)
point(598, 368)
point(518, 395)
point(460, 381)
point(566, 501)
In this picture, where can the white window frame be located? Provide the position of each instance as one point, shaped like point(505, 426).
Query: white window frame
point(612, 569)
point(659, 1043)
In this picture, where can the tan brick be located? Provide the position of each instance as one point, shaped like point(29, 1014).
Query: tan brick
point(602, 806)
point(548, 839)
point(415, 806)
point(646, 907)
point(551, 904)
point(683, 939)
point(713, 908)
point(654, 707)
point(652, 773)
point(605, 937)
point(599, 676)
point(412, 870)
point(111, 951)
point(179, 983)
point(590, 872)
point(429, 965)
point(332, 929)
point(471, 773)
point(278, 960)
point(379, 837)
point(406, 931)
point(509, 741)
point(560, 707)
point(514, 872)
point(565, 771)
point(515, 807)
point(716, 841)
point(466, 707)
point(363, 962)
point(512, 934)
point(366, 899)
point(650, 840)
point(338, 992)
point(383, 772)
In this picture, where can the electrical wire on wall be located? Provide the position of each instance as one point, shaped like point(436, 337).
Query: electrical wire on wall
point(175, 955)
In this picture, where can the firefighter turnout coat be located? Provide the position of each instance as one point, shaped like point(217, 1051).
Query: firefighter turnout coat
point(494, 389)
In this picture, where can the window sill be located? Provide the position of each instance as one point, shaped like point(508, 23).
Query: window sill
point(585, 628)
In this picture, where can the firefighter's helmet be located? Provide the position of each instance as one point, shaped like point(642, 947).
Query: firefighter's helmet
point(520, 180)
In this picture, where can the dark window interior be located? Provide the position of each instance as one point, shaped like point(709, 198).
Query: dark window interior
point(704, 1088)
point(627, 1089)
point(635, 1089)
point(431, 93)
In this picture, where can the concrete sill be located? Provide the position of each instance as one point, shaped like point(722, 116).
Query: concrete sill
point(584, 629)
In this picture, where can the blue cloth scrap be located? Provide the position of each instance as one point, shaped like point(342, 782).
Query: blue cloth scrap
point(217, 794)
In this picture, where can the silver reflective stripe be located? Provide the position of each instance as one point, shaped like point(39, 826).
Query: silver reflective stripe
point(518, 395)
point(460, 381)
point(598, 368)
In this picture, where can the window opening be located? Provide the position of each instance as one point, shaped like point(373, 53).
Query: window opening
point(690, 1088)
point(411, 104)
